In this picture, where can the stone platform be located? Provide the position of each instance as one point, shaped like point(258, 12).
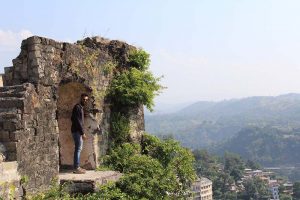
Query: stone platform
point(88, 182)
point(10, 181)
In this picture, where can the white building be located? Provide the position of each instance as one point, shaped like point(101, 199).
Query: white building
point(274, 191)
point(202, 189)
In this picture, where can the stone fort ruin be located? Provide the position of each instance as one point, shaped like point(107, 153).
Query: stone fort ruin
point(36, 100)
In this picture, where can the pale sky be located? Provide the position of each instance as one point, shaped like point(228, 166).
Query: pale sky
point(206, 49)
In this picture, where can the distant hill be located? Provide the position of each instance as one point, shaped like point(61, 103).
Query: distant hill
point(203, 124)
point(166, 108)
point(268, 146)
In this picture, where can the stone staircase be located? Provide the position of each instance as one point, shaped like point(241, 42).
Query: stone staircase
point(11, 106)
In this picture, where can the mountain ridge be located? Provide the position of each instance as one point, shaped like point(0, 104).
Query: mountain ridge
point(205, 123)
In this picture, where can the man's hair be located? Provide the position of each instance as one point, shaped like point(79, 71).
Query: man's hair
point(84, 95)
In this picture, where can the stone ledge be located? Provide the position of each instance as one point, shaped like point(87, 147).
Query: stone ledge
point(8, 171)
point(87, 183)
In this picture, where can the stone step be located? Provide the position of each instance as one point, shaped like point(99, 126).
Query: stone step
point(8, 171)
point(11, 102)
point(11, 93)
point(10, 110)
point(4, 116)
point(88, 182)
point(14, 88)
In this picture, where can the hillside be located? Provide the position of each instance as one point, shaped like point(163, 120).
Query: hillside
point(203, 124)
point(268, 146)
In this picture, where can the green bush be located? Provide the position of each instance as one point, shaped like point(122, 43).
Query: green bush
point(55, 192)
point(118, 159)
point(119, 129)
point(134, 87)
point(155, 169)
point(139, 59)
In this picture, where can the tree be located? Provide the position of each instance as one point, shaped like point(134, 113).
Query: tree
point(173, 157)
point(208, 166)
point(252, 165)
point(156, 169)
point(255, 188)
point(285, 197)
point(296, 191)
point(234, 165)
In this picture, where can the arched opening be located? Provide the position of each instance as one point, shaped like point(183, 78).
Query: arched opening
point(69, 95)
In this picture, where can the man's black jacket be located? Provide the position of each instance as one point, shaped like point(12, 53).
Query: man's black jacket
point(77, 119)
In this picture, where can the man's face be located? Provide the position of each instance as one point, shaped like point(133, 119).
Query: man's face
point(84, 100)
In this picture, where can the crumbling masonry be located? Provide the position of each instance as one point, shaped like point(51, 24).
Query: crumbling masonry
point(36, 101)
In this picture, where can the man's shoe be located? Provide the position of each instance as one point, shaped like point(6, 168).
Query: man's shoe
point(82, 169)
point(79, 170)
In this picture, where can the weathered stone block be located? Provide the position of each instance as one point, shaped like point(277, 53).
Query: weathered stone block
point(11, 156)
point(10, 146)
point(13, 136)
point(9, 126)
point(33, 40)
point(35, 47)
point(34, 54)
point(4, 136)
point(11, 102)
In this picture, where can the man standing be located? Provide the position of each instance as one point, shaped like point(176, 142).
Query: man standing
point(78, 132)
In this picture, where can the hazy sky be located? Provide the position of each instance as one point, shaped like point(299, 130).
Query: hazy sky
point(206, 49)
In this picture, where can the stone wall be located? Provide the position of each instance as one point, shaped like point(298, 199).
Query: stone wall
point(137, 123)
point(39, 91)
point(29, 134)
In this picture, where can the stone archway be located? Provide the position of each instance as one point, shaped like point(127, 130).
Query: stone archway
point(69, 94)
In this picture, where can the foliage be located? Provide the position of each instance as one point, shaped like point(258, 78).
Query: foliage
point(153, 170)
point(55, 192)
point(173, 156)
point(108, 191)
point(208, 124)
point(119, 128)
point(108, 67)
point(139, 59)
point(285, 197)
point(252, 165)
point(268, 145)
point(133, 87)
point(234, 165)
point(224, 172)
point(144, 178)
point(24, 180)
point(296, 190)
point(119, 157)
point(255, 188)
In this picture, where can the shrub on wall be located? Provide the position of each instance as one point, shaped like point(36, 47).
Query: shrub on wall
point(139, 59)
point(132, 86)
point(119, 128)
point(135, 85)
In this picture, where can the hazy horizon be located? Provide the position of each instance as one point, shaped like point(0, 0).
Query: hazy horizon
point(206, 50)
